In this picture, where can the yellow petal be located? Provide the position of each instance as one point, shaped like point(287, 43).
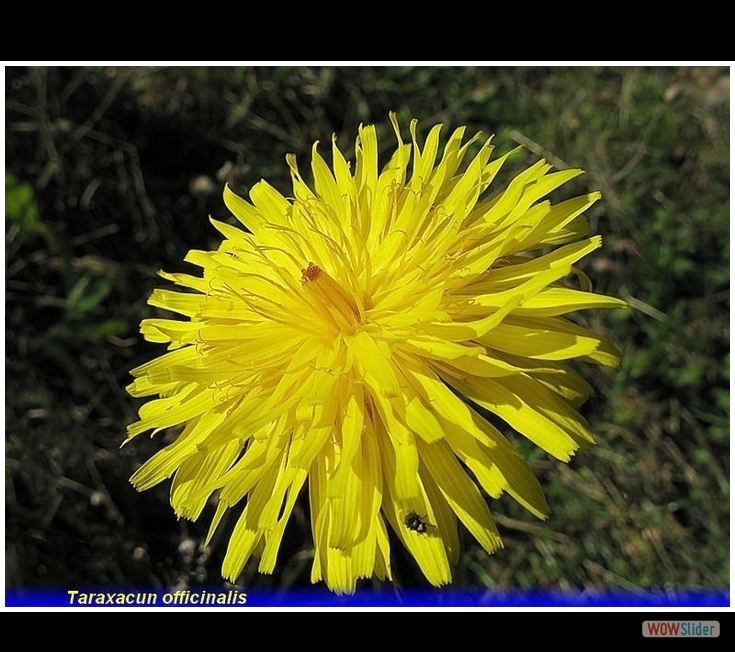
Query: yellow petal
point(461, 493)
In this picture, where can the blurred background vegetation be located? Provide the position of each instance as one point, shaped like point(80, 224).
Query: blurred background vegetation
point(110, 175)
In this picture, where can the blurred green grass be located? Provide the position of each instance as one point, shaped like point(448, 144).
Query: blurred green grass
point(110, 176)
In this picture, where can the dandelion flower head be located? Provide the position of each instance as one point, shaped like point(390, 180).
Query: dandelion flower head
point(342, 343)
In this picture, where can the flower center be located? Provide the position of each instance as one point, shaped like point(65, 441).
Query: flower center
point(330, 299)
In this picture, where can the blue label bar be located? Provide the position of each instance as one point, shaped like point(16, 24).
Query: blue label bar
point(367, 597)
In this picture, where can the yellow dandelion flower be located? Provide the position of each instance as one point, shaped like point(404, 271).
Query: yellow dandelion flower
point(343, 340)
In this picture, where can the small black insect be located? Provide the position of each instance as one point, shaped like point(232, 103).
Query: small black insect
point(416, 523)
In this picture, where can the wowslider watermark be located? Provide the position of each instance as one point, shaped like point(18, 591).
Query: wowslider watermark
point(681, 628)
